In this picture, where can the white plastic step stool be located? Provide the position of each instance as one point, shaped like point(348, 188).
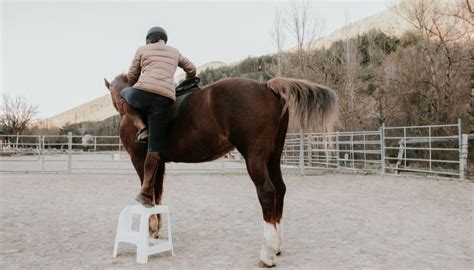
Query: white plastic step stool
point(141, 238)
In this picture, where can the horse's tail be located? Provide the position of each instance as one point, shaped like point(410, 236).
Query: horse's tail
point(314, 106)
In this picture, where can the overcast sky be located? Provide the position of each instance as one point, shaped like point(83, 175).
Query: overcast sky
point(56, 53)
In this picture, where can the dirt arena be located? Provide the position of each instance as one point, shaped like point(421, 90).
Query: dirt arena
point(333, 221)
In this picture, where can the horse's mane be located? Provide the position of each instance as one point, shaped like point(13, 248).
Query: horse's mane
point(121, 81)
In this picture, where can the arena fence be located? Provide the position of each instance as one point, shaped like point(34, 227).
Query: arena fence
point(438, 150)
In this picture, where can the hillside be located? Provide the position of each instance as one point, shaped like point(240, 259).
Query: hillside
point(386, 21)
point(101, 108)
point(94, 110)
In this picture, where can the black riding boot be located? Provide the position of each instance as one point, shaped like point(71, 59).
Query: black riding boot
point(145, 197)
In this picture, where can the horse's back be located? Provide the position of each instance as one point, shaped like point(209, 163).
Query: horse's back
point(232, 96)
point(220, 116)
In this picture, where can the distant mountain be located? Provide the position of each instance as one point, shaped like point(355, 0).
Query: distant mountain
point(386, 21)
point(101, 108)
point(94, 110)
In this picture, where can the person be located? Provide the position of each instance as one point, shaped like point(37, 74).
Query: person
point(152, 93)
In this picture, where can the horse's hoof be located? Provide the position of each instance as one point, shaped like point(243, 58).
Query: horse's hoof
point(279, 253)
point(144, 200)
point(264, 265)
point(155, 235)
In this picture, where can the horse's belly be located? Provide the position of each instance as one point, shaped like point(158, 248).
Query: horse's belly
point(191, 149)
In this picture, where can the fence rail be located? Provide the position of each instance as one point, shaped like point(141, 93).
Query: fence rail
point(439, 150)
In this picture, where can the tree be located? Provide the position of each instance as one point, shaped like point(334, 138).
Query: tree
point(305, 29)
point(16, 114)
point(442, 27)
point(278, 36)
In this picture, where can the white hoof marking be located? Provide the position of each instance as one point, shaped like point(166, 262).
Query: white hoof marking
point(271, 244)
point(280, 236)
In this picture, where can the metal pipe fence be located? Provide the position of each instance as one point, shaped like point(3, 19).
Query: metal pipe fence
point(430, 149)
point(439, 150)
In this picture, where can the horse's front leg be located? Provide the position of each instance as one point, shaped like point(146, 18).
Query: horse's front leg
point(138, 162)
point(138, 153)
point(155, 220)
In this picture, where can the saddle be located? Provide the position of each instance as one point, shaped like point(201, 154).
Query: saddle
point(183, 90)
point(187, 86)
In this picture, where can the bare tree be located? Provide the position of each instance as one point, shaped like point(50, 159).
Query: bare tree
point(304, 28)
point(278, 36)
point(350, 53)
point(442, 26)
point(16, 114)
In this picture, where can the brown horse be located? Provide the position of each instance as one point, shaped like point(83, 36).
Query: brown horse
point(237, 113)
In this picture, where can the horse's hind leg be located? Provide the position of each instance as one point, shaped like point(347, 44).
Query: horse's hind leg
point(274, 169)
point(280, 190)
point(258, 171)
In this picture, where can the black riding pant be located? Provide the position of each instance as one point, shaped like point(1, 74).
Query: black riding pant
point(154, 108)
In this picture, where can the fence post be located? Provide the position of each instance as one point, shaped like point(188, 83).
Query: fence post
point(310, 152)
point(301, 161)
point(120, 144)
point(382, 147)
point(42, 153)
point(365, 154)
point(463, 160)
point(337, 150)
point(461, 144)
point(17, 140)
point(352, 151)
point(39, 147)
point(405, 145)
point(222, 164)
point(429, 145)
point(69, 152)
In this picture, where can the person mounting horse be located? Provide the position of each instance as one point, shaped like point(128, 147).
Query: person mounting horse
point(233, 113)
point(153, 92)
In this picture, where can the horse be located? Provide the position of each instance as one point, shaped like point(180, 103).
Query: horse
point(242, 114)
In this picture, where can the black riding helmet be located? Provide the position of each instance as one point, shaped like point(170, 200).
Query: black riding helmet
point(157, 31)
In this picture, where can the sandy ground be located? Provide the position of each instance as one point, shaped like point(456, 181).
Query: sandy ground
point(330, 222)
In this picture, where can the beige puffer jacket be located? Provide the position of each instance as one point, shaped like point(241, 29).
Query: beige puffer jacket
point(153, 69)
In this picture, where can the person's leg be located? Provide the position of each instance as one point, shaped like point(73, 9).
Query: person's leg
point(137, 121)
point(132, 97)
point(156, 126)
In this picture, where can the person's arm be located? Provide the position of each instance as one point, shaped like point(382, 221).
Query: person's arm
point(187, 66)
point(135, 69)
